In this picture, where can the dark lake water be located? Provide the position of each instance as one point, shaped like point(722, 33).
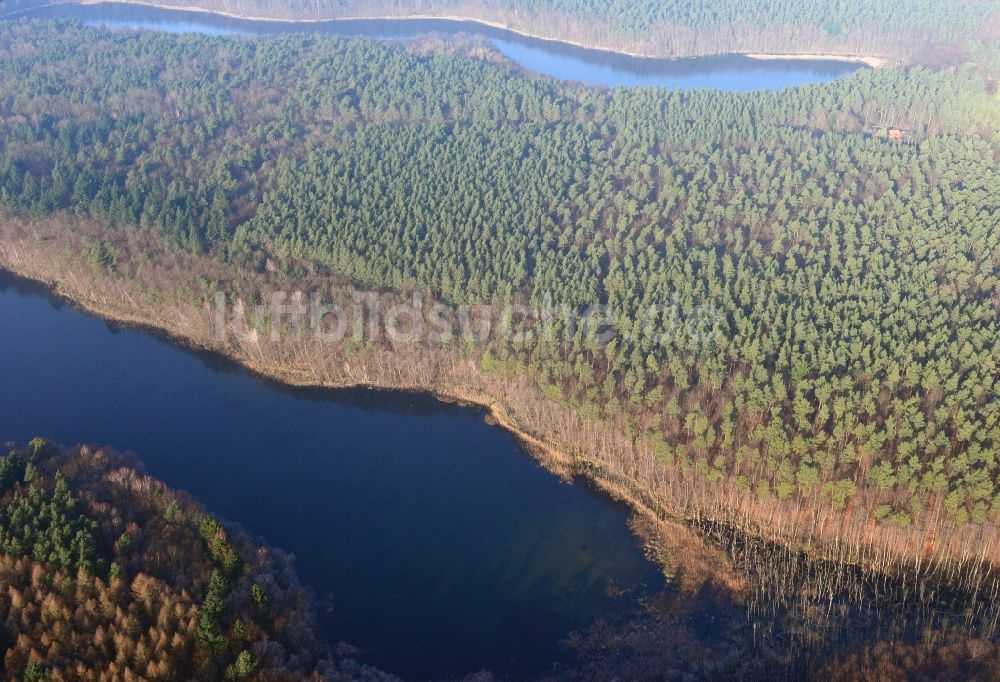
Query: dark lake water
point(440, 544)
point(545, 57)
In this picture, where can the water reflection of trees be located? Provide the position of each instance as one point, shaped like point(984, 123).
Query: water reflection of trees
point(798, 618)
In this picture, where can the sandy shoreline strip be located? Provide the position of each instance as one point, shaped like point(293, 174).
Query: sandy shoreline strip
point(874, 62)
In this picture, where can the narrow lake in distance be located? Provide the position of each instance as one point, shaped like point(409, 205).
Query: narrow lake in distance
point(439, 544)
point(544, 57)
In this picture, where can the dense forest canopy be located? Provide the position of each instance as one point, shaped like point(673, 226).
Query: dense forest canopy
point(854, 277)
point(908, 29)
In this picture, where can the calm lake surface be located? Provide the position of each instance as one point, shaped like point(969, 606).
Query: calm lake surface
point(545, 57)
point(439, 544)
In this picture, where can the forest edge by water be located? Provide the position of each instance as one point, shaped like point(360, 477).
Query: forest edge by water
point(673, 536)
point(133, 256)
point(671, 544)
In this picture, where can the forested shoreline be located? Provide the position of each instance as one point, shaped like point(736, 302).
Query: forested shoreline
point(828, 618)
point(846, 404)
point(915, 31)
point(109, 574)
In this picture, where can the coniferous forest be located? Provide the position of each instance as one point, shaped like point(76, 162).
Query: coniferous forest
point(842, 391)
point(855, 277)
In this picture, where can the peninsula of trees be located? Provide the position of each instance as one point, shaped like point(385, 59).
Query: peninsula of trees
point(847, 398)
point(108, 574)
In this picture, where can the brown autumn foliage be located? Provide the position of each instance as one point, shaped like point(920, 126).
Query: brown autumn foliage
point(82, 627)
point(958, 659)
